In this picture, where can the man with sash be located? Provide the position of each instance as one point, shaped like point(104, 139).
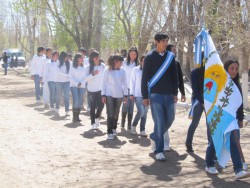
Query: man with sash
point(159, 89)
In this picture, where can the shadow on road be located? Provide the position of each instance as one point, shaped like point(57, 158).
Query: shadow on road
point(115, 144)
point(92, 134)
point(73, 125)
point(164, 170)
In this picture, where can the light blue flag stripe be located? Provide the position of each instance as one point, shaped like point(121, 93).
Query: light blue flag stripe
point(161, 71)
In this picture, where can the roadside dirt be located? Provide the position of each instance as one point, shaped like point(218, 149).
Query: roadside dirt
point(38, 149)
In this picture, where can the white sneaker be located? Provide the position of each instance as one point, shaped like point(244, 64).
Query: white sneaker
point(93, 126)
point(97, 123)
point(143, 133)
point(133, 130)
point(114, 132)
point(160, 157)
point(211, 170)
point(153, 147)
point(242, 174)
point(167, 148)
point(52, 109)
point(88, 109)
point(67, 113)
point(244, 166)
point(57, 111)
point(110, 137)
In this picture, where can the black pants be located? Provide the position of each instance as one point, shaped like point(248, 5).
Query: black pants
point(113, 109)
point(96, 105)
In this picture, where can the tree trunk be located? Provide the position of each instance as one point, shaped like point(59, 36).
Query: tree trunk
point(98, 25)
point(245, 61)
point(90, 23)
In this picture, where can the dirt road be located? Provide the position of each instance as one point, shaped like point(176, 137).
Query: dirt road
point(38, 149)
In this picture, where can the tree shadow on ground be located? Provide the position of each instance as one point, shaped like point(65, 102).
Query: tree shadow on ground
point(216, 180)
point(73, 125)
point(163, 170)
point(92, 134)
point(115, 144)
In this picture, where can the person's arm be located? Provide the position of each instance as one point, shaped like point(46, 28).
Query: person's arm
point(145, 80)
point(240, 111)
point(173, 70)
point(83, 82)
point(132, 83)
point(71, 77)
point(124, 83)
point(180, 79)
point(45, 73)
point(104, 83)
point(196, 84)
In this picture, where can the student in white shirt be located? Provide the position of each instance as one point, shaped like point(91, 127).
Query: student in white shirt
point(45, 84)
point(128, 65)
point(95, 72)
point(114, 89)
point(62, 82)
point(36, 70)
point(50, 76)
point(136, 95)
point(77, 77)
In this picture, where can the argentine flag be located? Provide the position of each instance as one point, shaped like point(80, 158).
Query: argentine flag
point(222, 97)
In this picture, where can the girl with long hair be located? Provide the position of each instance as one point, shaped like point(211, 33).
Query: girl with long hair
point(95, 71)
point(50, 76)
point(77, 77)
point(114, 90)
point(62, 83)
point(128, 65)
point(135, 95)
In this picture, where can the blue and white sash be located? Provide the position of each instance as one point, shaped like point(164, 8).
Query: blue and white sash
point(160, 71)
point(191, 113)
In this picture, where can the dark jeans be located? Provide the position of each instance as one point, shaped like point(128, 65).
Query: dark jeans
point(52, 94)
point(129, 106)
point(197, 112)
point(234, 151)
point(96, 105)
point(38, 88)
point(163, 113)
point(5, 65)
point(113, 108)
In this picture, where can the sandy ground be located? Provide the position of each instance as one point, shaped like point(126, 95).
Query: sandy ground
point(38, 149)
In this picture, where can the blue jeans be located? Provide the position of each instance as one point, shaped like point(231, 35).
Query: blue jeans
point(5, 65)
point(62, 87)
point(234, 151)
point(129, 106)
point(113, 108)
point(163, 113)
point(77, 94)
point(141, 113)
point(52, 94)
point(197, 112)
point(38, 88)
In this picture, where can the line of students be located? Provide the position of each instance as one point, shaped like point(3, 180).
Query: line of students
point(54, 74)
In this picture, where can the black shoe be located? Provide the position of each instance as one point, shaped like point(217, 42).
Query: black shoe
point(189, 148)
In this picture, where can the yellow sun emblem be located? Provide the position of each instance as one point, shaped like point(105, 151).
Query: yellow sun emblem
point(218, 74)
